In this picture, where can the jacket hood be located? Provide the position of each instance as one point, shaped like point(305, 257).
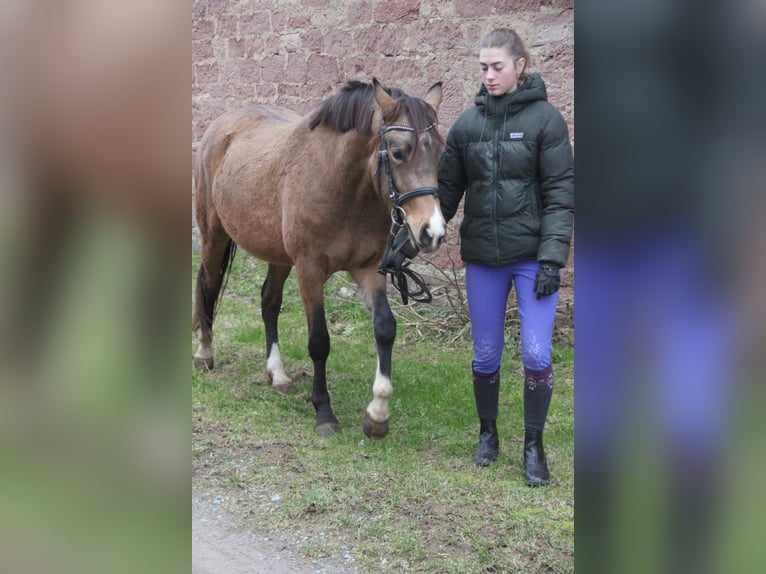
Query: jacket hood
point(531, 89)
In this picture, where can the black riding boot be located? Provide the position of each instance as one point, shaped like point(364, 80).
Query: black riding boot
point(538, 388)
point(486, 390)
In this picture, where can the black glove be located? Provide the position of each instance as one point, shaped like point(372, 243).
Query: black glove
point(548, 279)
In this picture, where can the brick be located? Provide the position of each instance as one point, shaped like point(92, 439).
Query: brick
point(473, 8)
point(288, 90)
point(273, 69)
point(290, 43)
point(338, 43)
point(279, 20)
point(323, 68)
point(217, 7)
point(271, 45)
point(206, 74)
point(397, 11)
point(226, 27)
point(327, 18)
point(386, 41)
point(256, 24)
point(297, 69)
point(238, 48)
point(298, 21)
point(243, 92)
point(265, 91)
point(389, 70)
point(359, 13)
point(438, 35)
point(356, 69)
point(313, 40)
point(202, 29)
point(199, 9)
point(517, 6)
point(228, 72)
point(250, 71)
point(201, 51)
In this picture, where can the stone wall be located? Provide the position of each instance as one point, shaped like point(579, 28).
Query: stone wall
point(294, 53)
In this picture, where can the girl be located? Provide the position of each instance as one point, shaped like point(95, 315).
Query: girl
point(511, 158)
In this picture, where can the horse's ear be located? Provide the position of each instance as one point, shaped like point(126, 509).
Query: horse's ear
point(385, 102)
point(434, 96)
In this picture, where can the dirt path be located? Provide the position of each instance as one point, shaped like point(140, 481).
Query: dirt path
point(221, 545)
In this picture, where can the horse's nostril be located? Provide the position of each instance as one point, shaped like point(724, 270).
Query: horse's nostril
point(429, 239)
point(425, 235)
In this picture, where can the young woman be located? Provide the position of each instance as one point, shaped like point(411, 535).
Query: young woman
point(511, 158)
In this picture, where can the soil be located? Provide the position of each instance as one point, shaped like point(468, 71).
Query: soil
point(221, 544)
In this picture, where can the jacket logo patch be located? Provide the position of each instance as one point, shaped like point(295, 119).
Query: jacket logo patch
point(516, 135)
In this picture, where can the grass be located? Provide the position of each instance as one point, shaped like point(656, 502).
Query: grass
point(410, 502)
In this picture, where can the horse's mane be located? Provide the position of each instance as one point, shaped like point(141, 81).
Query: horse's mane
point(353, 106)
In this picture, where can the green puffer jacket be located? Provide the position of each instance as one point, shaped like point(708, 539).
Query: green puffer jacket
point(510, 155)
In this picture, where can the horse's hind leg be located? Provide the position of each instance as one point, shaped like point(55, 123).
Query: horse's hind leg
point(271, 303)
point(217, 255)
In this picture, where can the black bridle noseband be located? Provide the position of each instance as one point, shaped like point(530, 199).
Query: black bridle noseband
point(398, 247)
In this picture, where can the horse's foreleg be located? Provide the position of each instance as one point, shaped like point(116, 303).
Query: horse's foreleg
point(373, 291)
point(377, 413)
point(311, 284)
point(271, 303)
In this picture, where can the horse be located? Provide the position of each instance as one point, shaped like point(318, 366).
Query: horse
point(318, 192)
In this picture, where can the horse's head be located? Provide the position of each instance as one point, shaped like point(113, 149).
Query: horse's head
point(407, 161)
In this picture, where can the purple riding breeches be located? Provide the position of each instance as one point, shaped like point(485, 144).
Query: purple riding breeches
point(487, 289)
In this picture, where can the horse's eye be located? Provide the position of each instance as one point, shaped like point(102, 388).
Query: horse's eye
point(398, 155)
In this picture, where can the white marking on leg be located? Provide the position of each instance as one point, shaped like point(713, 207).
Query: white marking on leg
point(381, 391)
point(204, 350)
point(276, 369)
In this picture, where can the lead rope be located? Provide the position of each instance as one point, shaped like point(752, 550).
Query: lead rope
point(395, 263)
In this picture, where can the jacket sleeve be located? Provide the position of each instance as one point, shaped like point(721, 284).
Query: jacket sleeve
point(557, 191)
point(452, 180)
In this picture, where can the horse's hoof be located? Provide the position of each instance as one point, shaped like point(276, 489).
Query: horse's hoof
point(285, 389)
point(206, 363)
point(373, 429)
point(327, 429)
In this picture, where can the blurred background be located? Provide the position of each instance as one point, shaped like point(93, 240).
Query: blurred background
point(669, 312)
point(94, 395)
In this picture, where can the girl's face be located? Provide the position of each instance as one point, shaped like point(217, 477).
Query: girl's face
point(499, 72)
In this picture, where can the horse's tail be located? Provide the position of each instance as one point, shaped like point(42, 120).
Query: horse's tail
point(210, 290)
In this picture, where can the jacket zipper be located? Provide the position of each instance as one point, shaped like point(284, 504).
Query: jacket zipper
point(495, 182)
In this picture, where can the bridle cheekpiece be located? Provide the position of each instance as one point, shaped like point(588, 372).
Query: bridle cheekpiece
point(398, 247)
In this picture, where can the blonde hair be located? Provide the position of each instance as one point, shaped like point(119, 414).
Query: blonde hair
point(511, 41)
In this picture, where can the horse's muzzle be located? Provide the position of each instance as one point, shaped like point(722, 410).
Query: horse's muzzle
point(430, 239)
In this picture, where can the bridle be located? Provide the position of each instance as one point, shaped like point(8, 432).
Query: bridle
point(398, 246)
point(397, 199)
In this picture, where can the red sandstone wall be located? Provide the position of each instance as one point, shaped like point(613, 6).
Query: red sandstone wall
point(295, 52)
